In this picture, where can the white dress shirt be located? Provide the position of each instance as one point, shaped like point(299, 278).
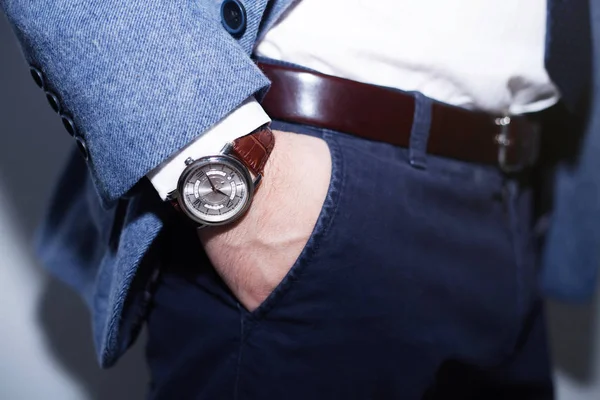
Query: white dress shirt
point(486, 55)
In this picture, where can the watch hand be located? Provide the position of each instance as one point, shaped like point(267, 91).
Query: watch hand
point(214, 188)
point(212, 185)
point(223, 193)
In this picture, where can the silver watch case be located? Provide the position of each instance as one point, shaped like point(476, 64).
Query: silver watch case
point(194, 165)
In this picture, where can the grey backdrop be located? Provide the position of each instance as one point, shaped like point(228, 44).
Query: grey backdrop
point(33, 147)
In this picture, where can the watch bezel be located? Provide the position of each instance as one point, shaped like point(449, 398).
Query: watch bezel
point(216, 159)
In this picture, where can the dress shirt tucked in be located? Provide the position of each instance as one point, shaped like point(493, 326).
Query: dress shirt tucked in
point(486, 55)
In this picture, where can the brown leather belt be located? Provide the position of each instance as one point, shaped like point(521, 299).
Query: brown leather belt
point(383, 114)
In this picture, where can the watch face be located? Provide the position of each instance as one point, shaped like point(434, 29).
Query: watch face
point(215, 190)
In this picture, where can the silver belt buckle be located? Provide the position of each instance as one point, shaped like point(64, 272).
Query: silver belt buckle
point(504, 142)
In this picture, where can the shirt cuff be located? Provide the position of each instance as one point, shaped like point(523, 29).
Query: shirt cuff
point(246, 118)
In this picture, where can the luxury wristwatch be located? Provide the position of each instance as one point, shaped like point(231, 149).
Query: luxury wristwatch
point(218, 189)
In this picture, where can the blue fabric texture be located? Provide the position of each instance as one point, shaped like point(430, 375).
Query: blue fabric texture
point(141, 79)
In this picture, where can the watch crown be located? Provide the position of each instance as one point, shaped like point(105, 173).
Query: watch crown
point(171, 196)
point(189, 160)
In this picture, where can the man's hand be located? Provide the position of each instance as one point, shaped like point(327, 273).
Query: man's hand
point(254, 254)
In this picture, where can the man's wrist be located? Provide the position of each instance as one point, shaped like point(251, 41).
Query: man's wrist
point(240, 122)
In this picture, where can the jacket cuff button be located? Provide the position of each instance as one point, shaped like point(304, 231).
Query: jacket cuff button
point(53, 101)
point(37, 76)
point(82, 148)
point(68, 124)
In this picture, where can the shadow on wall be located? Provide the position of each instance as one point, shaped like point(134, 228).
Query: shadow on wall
point(66, 324)
point(574, 340)
point(33, 149)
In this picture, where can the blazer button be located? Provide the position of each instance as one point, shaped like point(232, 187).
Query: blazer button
point(53, 100)
point(82, 148)
point(68, 124)
point(37, 76)
point(233, 17)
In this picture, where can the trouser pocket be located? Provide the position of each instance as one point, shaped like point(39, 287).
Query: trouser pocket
point(321, 229)
point(406, 268)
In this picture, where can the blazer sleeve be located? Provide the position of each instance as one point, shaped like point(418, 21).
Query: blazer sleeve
point(138, 79)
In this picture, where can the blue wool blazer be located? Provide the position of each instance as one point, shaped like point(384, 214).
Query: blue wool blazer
point(136, 81)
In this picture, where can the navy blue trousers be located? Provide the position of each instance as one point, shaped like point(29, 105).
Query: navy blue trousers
point(418, 282)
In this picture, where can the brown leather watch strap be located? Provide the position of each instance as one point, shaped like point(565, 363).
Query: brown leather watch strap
point(254, 149)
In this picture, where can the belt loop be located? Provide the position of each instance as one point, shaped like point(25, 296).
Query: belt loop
point(419, 134)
